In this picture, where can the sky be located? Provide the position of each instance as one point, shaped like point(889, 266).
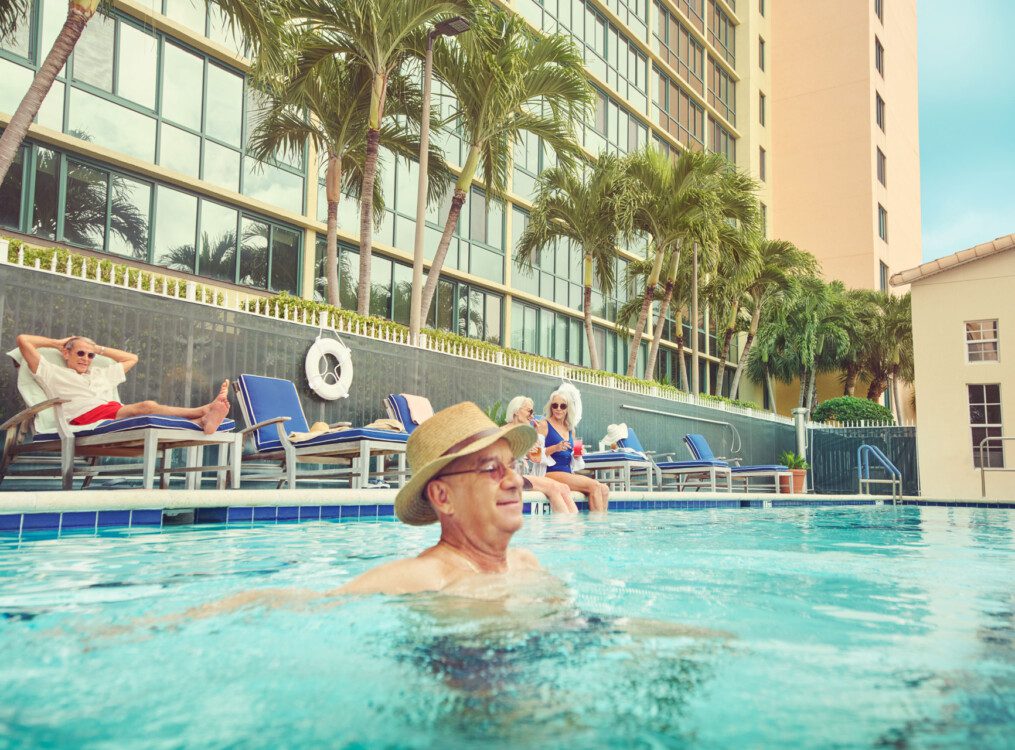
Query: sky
point(967, 122)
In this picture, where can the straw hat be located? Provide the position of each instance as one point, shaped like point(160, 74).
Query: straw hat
point(449, 434)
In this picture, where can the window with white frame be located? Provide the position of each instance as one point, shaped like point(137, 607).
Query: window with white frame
point(985, 422)
point(981, 341)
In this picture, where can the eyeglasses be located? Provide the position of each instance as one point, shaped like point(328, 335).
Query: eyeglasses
point(495, 470)
point(562, 407)
point(83, 353)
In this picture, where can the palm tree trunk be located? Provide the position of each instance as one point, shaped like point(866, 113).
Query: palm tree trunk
point(332, 187)
point(896, 403)
point(852, 374)
point(770, 387)
point(646, 303)
point(457, 201)
point(681, 362)
point(366, 213)
point(751, 333)
point(587, 309)
point(724, 355)
point(804, 387)
point(78, 14)
point(812, 390)
point(879, 383)
point(657, 336)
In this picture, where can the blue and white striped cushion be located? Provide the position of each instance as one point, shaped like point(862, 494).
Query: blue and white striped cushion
point(353, 436)
point(137, 423)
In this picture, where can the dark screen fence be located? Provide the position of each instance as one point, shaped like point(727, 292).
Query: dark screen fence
point(832, 455)
point(186, 349)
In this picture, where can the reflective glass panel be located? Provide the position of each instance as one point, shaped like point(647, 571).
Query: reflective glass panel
point(190, 13)
point(254, 253)
point(46, 187)
point(10, 192)
point(107, 124)
point(180, 150)
point(348, 277)
point(380, 286)
point(221, 165)
point(182, 85)
point(93, 53)
point(218, 241)
point(175, 226)
point(273, 185)
point(285, 259)
point(14, 82)
point(84, 219)
point(493, 303)
point(51, 112)
point(130, 206)
point(54, 14)
point(18, 42)
point(401, 292)
point(219, 31)
point(136, 72)
point(225, 105)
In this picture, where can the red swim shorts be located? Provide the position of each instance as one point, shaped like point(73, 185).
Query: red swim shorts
point(107, 411)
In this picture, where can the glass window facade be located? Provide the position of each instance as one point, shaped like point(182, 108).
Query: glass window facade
point(679, 48)
point(722, 141)
point(882, 223)
point(982, 341)
point(985, 421)
point(722, 91)
point(678, 113)
point(722, 32)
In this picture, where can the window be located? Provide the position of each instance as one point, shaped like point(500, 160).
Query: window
point(879, 57)
point(882, 168)
point(680, 49)
point(761, 53)
point(761, 7)
point(882, 223)
point(722, 32)
point(722, 91)
point(761, 163)
point(761, 108)
point(879, 111)
point(883, 276)
point(981, 341)
point(985, 421)
point(879, 10)
point(723, 141)
point(679, 114)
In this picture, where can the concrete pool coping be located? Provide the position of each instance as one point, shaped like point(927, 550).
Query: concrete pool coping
point(60, 501)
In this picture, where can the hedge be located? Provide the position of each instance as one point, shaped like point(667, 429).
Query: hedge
point(850, 409)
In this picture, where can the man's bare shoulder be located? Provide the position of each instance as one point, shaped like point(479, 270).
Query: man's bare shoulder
point(523, 559)
point(411, 575)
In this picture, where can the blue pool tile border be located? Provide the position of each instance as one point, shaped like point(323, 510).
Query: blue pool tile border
point(17, 523)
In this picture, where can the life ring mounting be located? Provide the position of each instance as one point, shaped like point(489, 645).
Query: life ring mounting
point(329, 381)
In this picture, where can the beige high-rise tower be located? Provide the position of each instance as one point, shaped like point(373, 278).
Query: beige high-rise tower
point(844, 164)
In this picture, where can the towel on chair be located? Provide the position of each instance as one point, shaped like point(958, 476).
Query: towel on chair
point(386, 424)
point(317, 429)
point(419, 408)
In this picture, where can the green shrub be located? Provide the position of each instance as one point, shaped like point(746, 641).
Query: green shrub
point(105, 270)
point(792, 460)
point(850, 409)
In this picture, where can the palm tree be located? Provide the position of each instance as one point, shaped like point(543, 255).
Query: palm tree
point(736, 266)
point(781, 263)
point(592, 213)
point(12, 14)
point(381, 36)
point(331, 107)
point(256, 19)
point(890, 354)
point(507, 80)
point(672, 195)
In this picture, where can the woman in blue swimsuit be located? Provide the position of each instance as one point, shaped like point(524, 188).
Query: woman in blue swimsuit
point(560, 448)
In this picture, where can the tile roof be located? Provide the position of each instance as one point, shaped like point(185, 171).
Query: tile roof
point(983, 250)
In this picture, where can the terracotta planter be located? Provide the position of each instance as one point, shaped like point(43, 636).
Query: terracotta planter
point(798, 481)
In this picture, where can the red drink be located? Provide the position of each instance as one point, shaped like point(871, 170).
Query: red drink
point(579, 448)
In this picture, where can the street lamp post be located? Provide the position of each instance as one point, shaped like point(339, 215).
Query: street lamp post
point(450, 27)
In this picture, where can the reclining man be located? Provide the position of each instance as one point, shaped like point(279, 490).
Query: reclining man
point(83, 386)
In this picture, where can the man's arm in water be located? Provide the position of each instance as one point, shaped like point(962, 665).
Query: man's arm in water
point(415, 574)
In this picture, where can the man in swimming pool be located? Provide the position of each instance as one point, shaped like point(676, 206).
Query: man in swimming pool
point(463, 476)
point(84, 386)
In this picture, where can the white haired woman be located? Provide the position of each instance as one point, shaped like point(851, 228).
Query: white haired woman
point(559, 429)
point(520, 410)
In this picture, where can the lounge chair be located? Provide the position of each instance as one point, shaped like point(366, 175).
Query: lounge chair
point(272, 411)
point(702, 451)
point(619, 468)
point(41, 436)
point(408, 410)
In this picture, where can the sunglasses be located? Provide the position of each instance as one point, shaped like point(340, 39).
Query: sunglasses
point(83, 353)
point(559, 406)
point(495, 470)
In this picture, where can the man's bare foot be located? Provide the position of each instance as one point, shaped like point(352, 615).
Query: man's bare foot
point(216, 411)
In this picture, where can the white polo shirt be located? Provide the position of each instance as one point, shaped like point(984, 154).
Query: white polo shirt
point(84, 392)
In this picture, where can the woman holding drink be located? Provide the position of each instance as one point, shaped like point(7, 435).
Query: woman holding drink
point(520, 411)
point(562, 447)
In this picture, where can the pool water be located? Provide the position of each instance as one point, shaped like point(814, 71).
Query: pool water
point(848, 627)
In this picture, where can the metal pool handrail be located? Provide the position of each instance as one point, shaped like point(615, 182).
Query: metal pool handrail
point(983, 468)
point(863, 470)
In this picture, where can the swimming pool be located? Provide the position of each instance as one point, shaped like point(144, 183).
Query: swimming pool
point(846, 627)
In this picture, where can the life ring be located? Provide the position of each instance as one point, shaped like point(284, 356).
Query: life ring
point(329, 383)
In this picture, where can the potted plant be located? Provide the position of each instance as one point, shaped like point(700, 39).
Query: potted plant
point(798, 466)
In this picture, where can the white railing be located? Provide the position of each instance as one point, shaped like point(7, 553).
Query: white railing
point(234, 301)
point(856, 424)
